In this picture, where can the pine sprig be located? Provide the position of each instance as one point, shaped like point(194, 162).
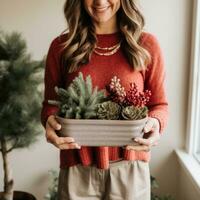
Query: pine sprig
point(13, 46)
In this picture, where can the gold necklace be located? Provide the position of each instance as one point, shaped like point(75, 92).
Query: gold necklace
point(111, 50)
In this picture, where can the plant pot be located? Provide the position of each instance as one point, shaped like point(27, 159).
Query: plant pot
point(95, 132)
point(19, 195)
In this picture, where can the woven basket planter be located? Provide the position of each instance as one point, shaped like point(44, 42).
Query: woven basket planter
point(95, 132)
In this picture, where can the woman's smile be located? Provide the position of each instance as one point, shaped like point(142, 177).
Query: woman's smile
point(101, 9)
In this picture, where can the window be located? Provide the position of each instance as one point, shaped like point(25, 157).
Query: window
point(193, 126)
point(196, 150)
point(190, 157)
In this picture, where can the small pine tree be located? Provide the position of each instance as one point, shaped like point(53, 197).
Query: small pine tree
point(19, 101)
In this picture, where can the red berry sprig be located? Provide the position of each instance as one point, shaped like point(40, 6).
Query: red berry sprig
point(117, 92)
point(135, 98)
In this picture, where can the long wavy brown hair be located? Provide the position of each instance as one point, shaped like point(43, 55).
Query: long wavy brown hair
point(81, 38)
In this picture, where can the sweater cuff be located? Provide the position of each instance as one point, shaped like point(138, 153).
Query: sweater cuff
point(159, 116)
point(46, 113)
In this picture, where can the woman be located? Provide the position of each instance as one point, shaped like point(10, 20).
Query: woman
point(105, 38)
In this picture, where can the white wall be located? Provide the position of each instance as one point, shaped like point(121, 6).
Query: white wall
point(187, 189)
point(171, 21)
point(41, 20)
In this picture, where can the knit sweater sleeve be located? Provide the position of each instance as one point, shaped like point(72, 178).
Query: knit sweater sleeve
point(52, 78)
point(155, 82)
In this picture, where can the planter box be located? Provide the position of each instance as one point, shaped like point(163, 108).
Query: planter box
point(95, 132)
point(20, 195)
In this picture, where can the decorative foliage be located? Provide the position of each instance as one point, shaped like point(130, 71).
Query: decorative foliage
point(135, 98)
point(154, 185)
point(132, 97)
point(116, 91)
point(79, 100)
point(53, 188)
point(108, 110)
point(132, 102)
point(134, 113)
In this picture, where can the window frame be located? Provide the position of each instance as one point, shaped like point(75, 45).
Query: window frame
point(194, 87)
point(187, 157)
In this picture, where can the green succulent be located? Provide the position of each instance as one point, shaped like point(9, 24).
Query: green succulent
point(79, 100)
point(108, 110)
point(134, 113)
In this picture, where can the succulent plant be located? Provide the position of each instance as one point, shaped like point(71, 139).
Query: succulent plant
point(134, 112)
point(108, 110)
point(79, 100)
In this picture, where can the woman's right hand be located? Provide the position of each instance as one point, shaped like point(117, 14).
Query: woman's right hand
point(60, 142)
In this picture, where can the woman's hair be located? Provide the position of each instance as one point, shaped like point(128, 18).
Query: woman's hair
point(81, 38)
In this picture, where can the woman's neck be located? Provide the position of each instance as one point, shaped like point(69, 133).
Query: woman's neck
point(106, 27)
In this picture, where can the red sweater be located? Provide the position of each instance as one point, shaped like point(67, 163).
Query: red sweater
point(102, 69)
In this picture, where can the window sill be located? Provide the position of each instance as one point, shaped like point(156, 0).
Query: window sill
point(191, 166)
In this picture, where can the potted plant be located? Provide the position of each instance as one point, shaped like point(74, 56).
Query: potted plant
point(113, 117)
point(154, 185)
point(19, 105)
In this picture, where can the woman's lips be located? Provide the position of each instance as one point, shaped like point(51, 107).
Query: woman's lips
point(101, 9)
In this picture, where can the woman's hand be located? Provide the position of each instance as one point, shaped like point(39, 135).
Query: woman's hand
point(151, 129)
point(60, 142)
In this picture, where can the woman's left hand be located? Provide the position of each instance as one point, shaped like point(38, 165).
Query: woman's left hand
point(150, 138)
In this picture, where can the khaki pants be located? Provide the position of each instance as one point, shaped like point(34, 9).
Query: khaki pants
point(124, 180)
